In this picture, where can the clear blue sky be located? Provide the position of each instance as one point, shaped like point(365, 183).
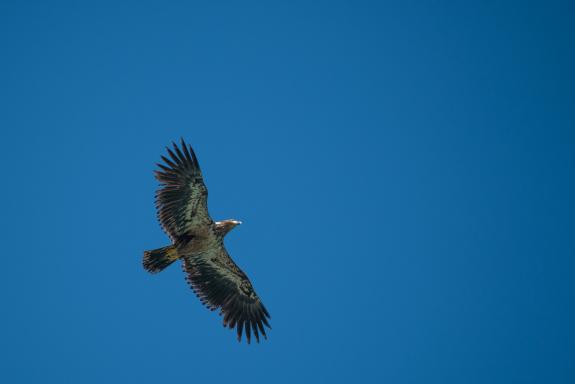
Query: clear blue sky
point(404, 171)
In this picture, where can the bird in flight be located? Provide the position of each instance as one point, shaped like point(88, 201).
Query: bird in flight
point(197, 240)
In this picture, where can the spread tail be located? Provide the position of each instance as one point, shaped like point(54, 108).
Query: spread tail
point(157, 260)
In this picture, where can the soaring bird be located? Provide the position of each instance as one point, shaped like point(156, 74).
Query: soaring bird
point(197, 240)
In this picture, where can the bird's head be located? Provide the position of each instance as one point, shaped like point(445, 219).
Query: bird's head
point(227, 225)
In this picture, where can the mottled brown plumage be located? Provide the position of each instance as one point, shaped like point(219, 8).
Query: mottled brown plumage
point(197, 240)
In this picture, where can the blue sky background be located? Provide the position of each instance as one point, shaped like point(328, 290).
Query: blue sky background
point(404, 171)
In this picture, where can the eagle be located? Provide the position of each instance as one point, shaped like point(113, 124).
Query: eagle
point(198, 241)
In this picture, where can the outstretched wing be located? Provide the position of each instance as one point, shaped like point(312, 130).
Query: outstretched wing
point(220, 283)
point(182, 200)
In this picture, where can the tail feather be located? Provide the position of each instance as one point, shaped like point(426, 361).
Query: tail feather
point(157, 260)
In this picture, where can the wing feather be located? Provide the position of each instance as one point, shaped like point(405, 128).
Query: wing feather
point(182, 200)
point(220, 283)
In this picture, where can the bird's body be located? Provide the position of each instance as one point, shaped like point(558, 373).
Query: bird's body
point(198, 241)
